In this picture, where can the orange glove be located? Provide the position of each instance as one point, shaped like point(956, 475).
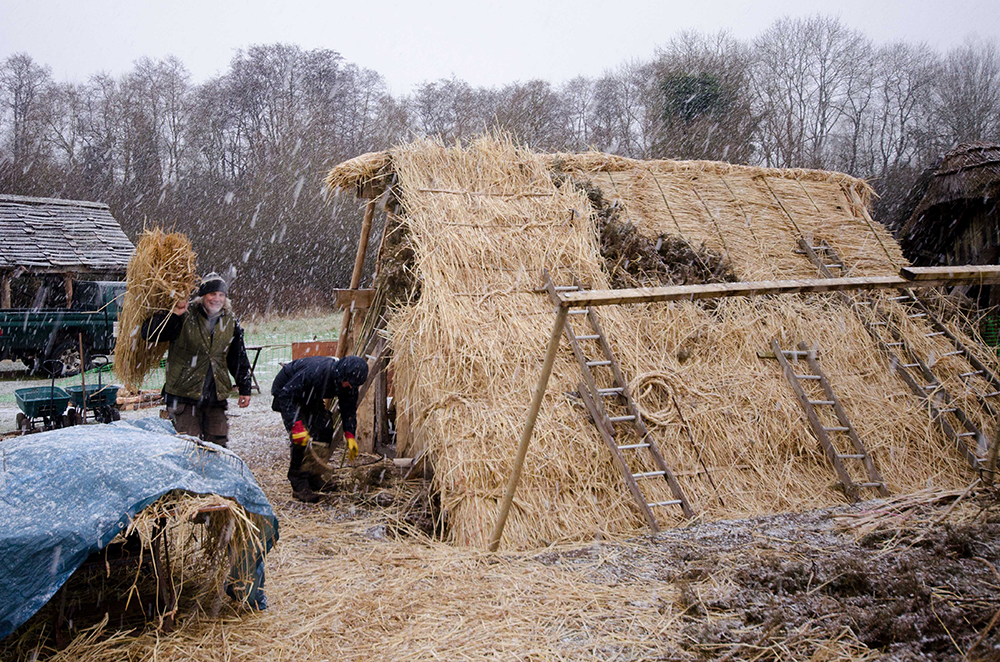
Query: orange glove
point(300, 436)
point(352, 446)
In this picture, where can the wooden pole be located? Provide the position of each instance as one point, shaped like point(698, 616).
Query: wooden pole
point(359, 262)
point(68, 281)
point(5, 291)
point(529, 426)
point(83, 381)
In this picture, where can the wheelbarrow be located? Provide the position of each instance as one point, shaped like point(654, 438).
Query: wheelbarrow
point(102, 398)
point(45, 403)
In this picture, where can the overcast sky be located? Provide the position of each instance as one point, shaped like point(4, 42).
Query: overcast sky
point(484, 43)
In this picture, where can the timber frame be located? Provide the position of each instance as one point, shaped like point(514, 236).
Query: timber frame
point(909, 277)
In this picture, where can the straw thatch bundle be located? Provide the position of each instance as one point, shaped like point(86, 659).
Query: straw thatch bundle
point(484, 220)
point(160, 273)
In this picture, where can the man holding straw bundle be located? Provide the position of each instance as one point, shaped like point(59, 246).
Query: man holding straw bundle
point(300, 392)
point(206, 346)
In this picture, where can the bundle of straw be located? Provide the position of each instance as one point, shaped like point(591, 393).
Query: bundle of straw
point(160, 274)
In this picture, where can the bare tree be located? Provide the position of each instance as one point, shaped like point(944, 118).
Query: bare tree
point(23, 84)
point(804, 72)
point(968, 93)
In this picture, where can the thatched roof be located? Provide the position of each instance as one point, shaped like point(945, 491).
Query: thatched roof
point(53, 235)
point(936, 208)
point(482, 221)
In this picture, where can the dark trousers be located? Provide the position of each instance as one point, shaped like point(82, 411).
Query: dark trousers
point(208, 423)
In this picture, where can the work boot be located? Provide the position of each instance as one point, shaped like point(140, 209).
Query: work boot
point(317, 484)
point(300, 487)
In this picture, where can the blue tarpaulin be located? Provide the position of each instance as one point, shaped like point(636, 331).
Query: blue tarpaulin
point(67, 493)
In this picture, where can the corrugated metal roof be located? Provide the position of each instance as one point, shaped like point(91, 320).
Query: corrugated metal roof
point(40, 233)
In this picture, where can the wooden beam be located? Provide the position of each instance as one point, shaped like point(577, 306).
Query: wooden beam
point(529, 426)
point(5, 290)
point(356, 299)
point(68, 281)
point(359, 262)
point(755, 288)
point(966, 272)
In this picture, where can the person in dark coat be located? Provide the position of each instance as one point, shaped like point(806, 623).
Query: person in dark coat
point(206, 347)
point(299, 391)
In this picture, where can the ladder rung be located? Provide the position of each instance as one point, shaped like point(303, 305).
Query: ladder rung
point(880, 324)
point(806, 376)
point(834, 266)
point(933, 333)
point(991, 395)
point(604, 392)
point(894, 344)
point(869, 484)
point(837, 428)
point(619, 419)
point(909, 365)
point(657, 504)
point(969, 374)
point(955, 353)
point(915, 315)
point(593, 364)
point(850, 457)
point(794, 353)
point(631, 446)
point(899, 298)
point(862, 303)
point(588, 337)
point(821, 402)
point(649, 474)
point(931, 387)
point(567, 288)
point(947, 410)
point(967, 434)
point(577, 311)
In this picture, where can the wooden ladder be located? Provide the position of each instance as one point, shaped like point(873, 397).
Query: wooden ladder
point(828, 435)
point(610, 427)
point(911, 368)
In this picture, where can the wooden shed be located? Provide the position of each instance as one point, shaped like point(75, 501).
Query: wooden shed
point(58, 239)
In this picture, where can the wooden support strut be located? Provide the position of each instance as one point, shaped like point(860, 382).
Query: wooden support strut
point(359, 262)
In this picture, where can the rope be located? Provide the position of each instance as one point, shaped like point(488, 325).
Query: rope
point(645, 383)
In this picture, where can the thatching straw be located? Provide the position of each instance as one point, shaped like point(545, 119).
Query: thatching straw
point(484, 220)
point(160, 274)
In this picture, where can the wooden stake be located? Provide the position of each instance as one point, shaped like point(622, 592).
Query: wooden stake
point(529, 425)
point(359, 261)
point(83, 380)
point(5, 291)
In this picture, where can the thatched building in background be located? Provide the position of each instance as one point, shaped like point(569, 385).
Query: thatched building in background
point(471, 228)
point(952, 213)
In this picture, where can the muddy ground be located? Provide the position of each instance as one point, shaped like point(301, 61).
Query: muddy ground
point(911, 578)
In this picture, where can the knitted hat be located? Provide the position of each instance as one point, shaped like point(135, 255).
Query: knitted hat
point(212, 283)
point(353, 370)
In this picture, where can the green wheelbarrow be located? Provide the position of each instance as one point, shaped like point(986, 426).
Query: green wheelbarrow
point(43, 403)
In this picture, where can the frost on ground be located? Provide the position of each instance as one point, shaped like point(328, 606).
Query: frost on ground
point(914, 577)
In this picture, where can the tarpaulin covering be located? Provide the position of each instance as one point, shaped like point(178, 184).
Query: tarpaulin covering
point(67, 493)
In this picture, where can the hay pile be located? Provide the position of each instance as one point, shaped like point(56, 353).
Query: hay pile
point(484, 220)
point(160, 274)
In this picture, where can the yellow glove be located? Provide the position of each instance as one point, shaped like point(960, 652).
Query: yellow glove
point(300, 436)
point(352, 446)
